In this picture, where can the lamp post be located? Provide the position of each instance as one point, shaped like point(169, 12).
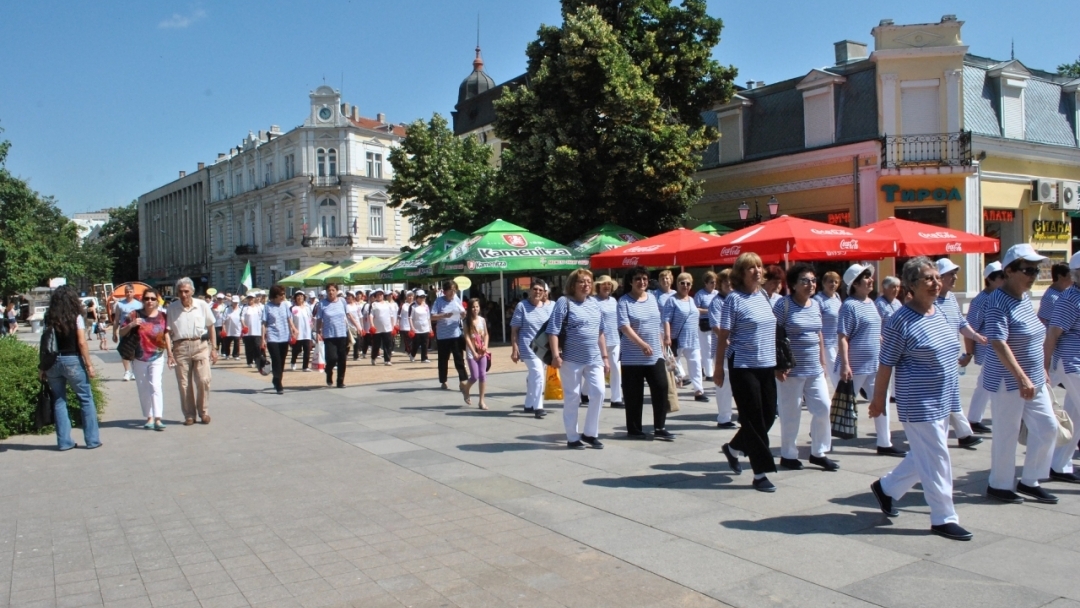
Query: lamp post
point(744, 211)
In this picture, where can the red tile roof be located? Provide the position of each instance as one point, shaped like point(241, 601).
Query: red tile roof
point(374, 125)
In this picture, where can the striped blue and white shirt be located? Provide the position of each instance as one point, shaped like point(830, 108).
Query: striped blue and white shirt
point(663, 297)
point(1015, 322)
point(529, 319)
point(716, 311)
point(1046, 305)
point(803, 326)
point(922, 350)
point(830, 315)
point(610, 307)
point(644, 318)
point(332, 316)
point(449, 327)
point(975, 316)
point(276, 321)
point(951, 308)
point(683, 316)
point(859, 321)
point(584, 325)
point(886, 308)
point(703, 299)
point(750, 319)
point(1067, 317)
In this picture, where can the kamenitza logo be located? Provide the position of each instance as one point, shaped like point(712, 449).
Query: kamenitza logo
point(532, 252)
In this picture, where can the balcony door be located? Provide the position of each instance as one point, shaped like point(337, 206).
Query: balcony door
point(920, 109)
point(328, 217)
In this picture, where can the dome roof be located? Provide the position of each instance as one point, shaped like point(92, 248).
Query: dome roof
point(475, 83)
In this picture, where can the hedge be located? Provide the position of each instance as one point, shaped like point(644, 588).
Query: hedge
point(19, 388)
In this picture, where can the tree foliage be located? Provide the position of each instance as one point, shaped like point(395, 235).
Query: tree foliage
point(442, 181)
point(119, 238)
point(608, 126)
point(1072, 70)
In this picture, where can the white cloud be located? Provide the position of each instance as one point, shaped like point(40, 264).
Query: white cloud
point(178, 21)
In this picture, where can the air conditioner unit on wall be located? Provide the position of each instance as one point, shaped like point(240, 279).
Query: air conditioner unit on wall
point(1044, 191)
point(1067, 200)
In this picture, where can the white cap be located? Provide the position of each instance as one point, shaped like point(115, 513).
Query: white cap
point(991, 268)
point(236, 298)
point(420, 293)
point(945, 266)
point(311, 294)
point(220, 296)
point(322, 292)
point(1074, 262)
point(375, 291)
point(1023, 251)
point(854, 271)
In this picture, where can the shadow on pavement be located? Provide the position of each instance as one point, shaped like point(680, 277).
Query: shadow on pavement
point(856, 522)
point(685, 481)
point(495, 448)
point(23, 447)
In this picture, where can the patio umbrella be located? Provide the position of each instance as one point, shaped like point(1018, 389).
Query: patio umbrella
point(712, 228)
point(342, 275)
point(916, 238)
point(667, 249)
point(297, 279)
point(318, 279)
point(418, 263)
point(787, 238)
point(371, 272)
point(604, 237)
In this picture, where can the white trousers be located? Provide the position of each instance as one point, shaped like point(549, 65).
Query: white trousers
point(1009, 409)
point(830, 362)
point(148, 382)
point(979, 400)
point(615, 381)
point(693, 364)
point(881, 423)
point(927, 463)
point(960, 424)
point(724, 399)
point(789, 394)
point(534, 383)
point(707, 339)
point(1062, 459)
point(572, 375)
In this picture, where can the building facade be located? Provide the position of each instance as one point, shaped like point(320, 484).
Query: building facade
point(173, 232)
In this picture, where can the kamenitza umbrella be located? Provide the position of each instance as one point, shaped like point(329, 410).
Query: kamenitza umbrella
point(915, 238)
point(370, 274)
point(604, 237)
point(418, 263)
point(297, 279)
point(666, 249)
point(318, 279)
point(712, 228)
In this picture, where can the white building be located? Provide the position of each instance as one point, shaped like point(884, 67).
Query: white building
point(89, 224)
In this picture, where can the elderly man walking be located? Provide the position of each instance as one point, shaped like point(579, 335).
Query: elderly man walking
point(194, 348)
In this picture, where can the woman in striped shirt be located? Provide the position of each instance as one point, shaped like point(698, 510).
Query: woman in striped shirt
point(858, 333)
point(1062, 355)
point(605, 286)
point(331, 326)
point(922, 347)
point(887, 303)
point(1016, 377)
point(664, 292)
point(716, 309)
point(529, 317)
point(830, 314)
point(750, 326)
point(641, 356)
point(581, 357)
point(681, 335)
point(993, 278)
point(702, 299)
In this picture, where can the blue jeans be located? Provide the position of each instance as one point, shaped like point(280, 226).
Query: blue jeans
point(69, 371)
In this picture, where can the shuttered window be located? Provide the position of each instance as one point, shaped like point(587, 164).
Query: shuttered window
point(920, 110)
point(818, 117)
point(1012, 111)
point(730, 144)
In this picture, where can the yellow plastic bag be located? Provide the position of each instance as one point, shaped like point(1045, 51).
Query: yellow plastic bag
point(553, 385)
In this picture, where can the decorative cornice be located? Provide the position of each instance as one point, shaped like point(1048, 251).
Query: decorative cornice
point(774, 189)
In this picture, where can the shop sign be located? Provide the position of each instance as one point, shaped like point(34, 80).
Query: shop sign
point(1050, 230)
point(894, 193)
point(841, 218)
point(999, 215)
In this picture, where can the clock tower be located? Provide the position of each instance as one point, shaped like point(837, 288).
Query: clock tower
point(325, 109)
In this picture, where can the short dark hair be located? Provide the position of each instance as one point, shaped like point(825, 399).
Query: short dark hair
point(276, 290)
point(774, 273)
point(1059, 270)
point(795, 272)
point(448, 284)
point(628, 278)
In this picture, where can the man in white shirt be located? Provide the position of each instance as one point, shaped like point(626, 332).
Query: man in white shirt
point(121, 310)
point(193, 348)
point(383, 317)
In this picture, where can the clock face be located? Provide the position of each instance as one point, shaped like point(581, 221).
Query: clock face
point(325, 114)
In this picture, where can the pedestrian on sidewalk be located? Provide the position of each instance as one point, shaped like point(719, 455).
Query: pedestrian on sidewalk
point(724, 400)
point(605, 286)
point(993, 278)
point(251, 321)
point(476, 353)
point(304, 323)
point(1062, 356)
point(830, 303)
point(446, 312)
point(72, 368)
point(706, 338)
point(192, 348)
point(680, 333)
point(121, 310)
point(234, 328)
point(420, 326)
point(382, 315)
point(946, 302)
point(404, 325)
point(641, 355)
point(331, 326)
point(278, 329)
point(151, 325)
point(529, 317)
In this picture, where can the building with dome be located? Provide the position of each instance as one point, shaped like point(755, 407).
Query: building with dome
point(474, 113)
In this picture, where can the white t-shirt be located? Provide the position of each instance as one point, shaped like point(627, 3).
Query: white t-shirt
point(232, 322)
point(382, 316)
point(403, 317)
point(301, 316)
point(420, 318)
point(252, 318)
point(353, 310)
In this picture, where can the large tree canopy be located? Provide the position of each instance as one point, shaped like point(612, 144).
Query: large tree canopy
point(119, 237)
point(442, 181)
point(608, 126)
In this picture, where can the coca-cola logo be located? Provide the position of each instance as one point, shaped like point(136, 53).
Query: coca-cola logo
point(833, 232)
point(849, 244)
point(629, 261)
point(954, 248)
point(730, 251)
point(941, 234)
point(643, 248)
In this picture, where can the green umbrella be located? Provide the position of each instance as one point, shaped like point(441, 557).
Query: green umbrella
point(319, 278)
point(297, 279)
point(370, 273)
point(417, 264)
point(713, 228)
point(604, 237)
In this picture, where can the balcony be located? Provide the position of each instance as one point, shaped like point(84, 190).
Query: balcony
point(246, 250)
point(327, 241)
point(930, 150)
point(327, 181)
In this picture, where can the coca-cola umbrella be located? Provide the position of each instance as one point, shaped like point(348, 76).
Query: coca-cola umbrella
point(916, 238)
point(787, 238)
point(667, 249)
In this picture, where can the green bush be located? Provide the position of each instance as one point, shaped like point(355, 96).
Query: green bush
point(19, 388)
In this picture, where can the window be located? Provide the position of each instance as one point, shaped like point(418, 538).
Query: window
point(328, 220)
point(374, 165)
point(269, 176)
point(730, 136)
point(238, 183)
point(320, 162)
point(332, 156)
point(818, 117)
point(220, 189)
point(375, 213)
point(1012, 110)
point(289, 225)
point(290, 166)
point(238, 236)
point(221, 236)
point(251, 178)
point(920, 112)
point(269, 228)
point(414, 227)
point(251, 227)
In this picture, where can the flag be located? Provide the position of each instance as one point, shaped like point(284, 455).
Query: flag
point(245, 279)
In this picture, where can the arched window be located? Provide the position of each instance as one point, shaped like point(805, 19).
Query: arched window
point(328, 217)
point(320, 161)
point(333, 162)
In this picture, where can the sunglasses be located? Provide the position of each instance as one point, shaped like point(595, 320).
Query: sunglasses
point(149, 299)
point(686, 282)
point(808, 280)
point(1029, 271)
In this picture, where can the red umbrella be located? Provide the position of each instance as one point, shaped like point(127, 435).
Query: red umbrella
point(661, 250)
point(791, 238)
point(916, 238)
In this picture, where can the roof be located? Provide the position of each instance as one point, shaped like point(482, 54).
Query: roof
point(1048, 114)
point(479, 111)
point(374, 125)
point(476, 82)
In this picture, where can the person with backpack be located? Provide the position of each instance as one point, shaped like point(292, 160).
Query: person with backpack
point(65, 362)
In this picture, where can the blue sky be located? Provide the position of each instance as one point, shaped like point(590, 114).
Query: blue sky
point(104, 101)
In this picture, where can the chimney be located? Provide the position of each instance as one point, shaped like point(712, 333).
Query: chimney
point(221, 155)
point(948, 18)
point(202, 166)
point(380, 117)
point(183, 173)
point(848, 51)
point(275, 129)
point(345, 109)
point(885, 22)
point(355, 113)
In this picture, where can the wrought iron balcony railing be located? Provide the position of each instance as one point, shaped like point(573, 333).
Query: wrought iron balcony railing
point(327, 241)
point(327, 181)
point(246, 250)
point(929, 150)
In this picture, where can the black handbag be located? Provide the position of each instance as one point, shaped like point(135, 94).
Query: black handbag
point(785, 359)
point(703, 324)
point(129, 344)
point(44, 416)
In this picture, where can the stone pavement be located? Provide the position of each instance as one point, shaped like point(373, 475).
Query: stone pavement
point(400, 495)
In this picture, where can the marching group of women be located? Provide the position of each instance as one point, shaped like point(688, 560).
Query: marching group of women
point(906, 338)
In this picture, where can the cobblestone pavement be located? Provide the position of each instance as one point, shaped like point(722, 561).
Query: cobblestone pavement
point(400, 495)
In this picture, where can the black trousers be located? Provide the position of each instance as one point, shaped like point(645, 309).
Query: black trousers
point(384, 341)
point(447, 347)
point(252, 347)
point(634, 378)
point(406, 342)
point(303, 346)
point(337, 352)
point(419, 343)
point(360, 344)
point(230, 344)
point(277, 351)
point(754, 391)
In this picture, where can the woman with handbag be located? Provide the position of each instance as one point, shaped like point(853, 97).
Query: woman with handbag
point(858, 333)
point(1015, 375)
point(749, 325)
point(681, 313)
point(800, 316)
point(528, 321)
point(150, 328)
point(830, 315)
point(724, 400)
point(72, 368)
point(921, 346)
point(1062, 354)
point(477, 356)
point(641, 355)
point(703, 299)
point(278, 330)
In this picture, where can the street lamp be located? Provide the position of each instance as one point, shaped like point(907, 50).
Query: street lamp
point(744, 211)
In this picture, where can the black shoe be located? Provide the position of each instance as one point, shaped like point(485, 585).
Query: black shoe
point(951, 531)
point(329, 382)
point(1066, 477)
point(618, 404)
point(970, 441)
point(725, 425)
point(1036, 492)
point(764, 485)
point(576, 445)
point(540, 413)
point(825, 463)
point(584, 400)
point(641, 436)
point(891, 451)
point(529, 410)
point(981, 428)
point(884, 501)
point(1006, 496)
point(701, 398)
point(708, 378)
point(280, 391)
point(793, 464)
point(663, 435)
point(340, 385)
point(732, 461)
point(593, 441)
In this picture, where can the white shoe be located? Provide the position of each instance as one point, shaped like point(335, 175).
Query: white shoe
point(411, 359)
point(388, 363)
point(306, 370)
point(293, 367)
point(251, 365)
point(128, 376)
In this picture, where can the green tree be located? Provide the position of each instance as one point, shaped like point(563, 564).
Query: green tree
point(119, 238)
point(608, 126)
point(440, 180)
point(1072, 70)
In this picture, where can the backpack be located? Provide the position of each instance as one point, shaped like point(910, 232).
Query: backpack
point(48, 350)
